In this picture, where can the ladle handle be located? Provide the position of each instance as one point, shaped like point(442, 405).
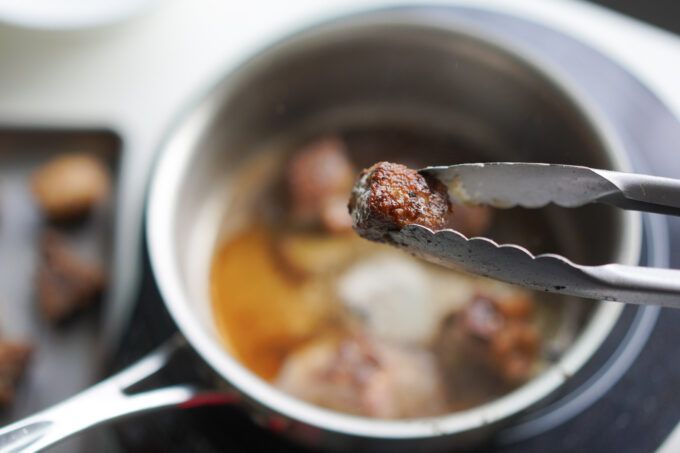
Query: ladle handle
point(105, 401)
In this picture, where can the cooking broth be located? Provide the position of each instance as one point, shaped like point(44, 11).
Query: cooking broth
point(358, 327)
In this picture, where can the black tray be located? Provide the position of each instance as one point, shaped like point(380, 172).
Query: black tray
point(66, 358)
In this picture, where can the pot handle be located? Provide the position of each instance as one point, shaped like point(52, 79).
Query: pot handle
point(105, 401)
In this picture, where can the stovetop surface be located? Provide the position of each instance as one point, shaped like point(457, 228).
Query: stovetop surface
point(635, 415)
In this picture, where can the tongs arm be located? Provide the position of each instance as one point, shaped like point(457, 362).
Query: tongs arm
point(643, 192)
point(533, 185)
point(633, 284)
point(514, 264)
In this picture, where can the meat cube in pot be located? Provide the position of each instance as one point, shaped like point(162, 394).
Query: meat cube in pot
point(318, 179)
point(362, 376)
point(490, 346)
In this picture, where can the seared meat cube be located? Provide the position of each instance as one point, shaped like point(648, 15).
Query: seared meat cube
point(70, 186)
point(66, 282)
point(362, 376)
point(319, 177)
point(13, 359)
point(386, 197)
point(492, 341)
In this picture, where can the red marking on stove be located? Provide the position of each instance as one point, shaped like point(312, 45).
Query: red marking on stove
point(211, 399)
point(277, 424)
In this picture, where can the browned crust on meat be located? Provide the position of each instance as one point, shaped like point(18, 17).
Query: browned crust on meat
point(389, 196)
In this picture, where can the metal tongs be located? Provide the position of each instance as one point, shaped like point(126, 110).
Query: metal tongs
point(533, 185)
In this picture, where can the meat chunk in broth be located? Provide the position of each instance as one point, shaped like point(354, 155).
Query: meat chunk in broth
point(363, 376)
point(319, 178)
point(70, 186)
point(490, 346)
point(471, 220)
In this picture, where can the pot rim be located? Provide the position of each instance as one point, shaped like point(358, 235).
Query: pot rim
point(174, 157)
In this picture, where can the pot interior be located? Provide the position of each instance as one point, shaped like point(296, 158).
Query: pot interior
point(367, 77)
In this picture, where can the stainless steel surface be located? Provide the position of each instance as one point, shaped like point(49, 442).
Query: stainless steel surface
point(512, 263)
point(534, 185)
point(391, 68)
point(388, 68)
point(105, 401)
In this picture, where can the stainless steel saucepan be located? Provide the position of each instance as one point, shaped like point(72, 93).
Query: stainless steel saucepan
point(383, 67)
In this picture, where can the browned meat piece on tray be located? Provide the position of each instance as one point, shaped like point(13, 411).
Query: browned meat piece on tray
point(66, 281)
point(490, 342)
point(387, 196)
